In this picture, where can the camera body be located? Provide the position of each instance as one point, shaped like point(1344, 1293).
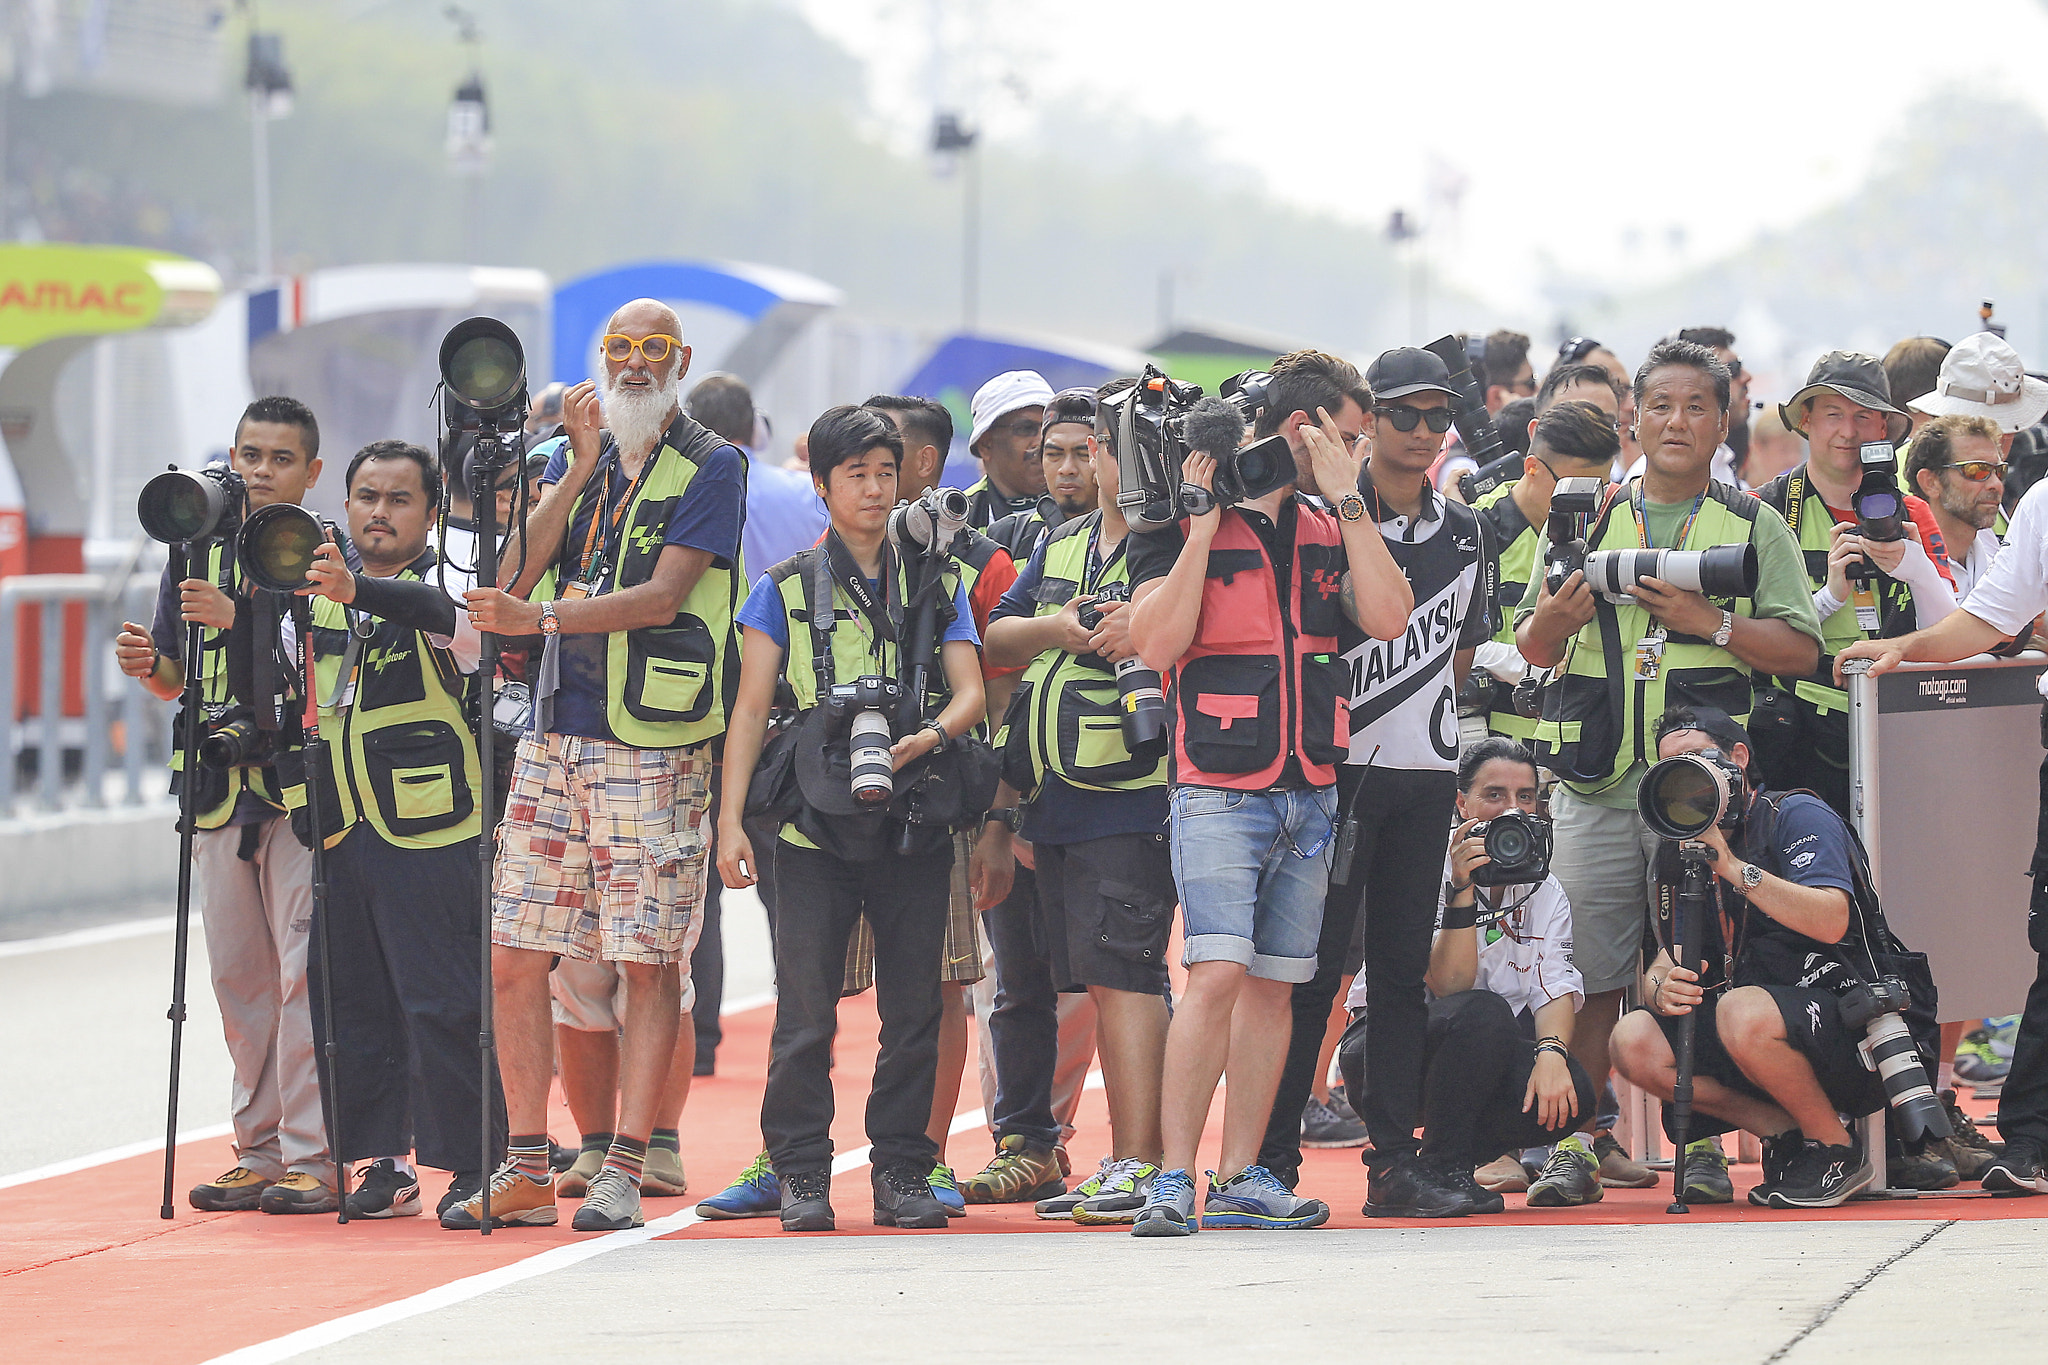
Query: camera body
point(233, 739)
point(1142, 700)
point(1517, 849)
point(930, 524)
point(1880, 511)
point(1158, 420)
point(1573, 505)
point(191, 506)
point(863, 705)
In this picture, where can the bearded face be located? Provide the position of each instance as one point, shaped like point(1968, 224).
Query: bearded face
point(637, 414)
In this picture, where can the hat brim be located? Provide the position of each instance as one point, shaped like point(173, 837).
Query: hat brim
point(1403, 390)
point(2025, 411)
point(1793, 411)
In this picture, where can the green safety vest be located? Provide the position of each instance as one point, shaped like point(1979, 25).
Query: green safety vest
point(671, 685)
point(1599, 718)
point(214, 696)
point(401, 755)
point(1518, 573)
point(1067, 716)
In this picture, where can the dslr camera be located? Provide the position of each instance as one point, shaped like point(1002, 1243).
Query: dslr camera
point(1137, 687)
point(1880, 512)
point(1573, 505)
point(1878, 1008)
point(930, 525)
point(1517, 849)
point(233, 739)
point(863, 705)
point(1158, 420)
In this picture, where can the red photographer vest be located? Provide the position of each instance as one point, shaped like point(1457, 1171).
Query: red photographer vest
point(1259, 684)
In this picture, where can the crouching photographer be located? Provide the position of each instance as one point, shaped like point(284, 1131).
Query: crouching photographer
point(872, 634)
point(1784, 958)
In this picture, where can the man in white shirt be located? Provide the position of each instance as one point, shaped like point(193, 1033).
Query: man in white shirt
point(1957, 465)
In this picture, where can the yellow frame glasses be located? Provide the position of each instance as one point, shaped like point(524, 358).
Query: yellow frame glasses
point(647, 347)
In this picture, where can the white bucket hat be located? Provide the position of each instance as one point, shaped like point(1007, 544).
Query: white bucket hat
point(1005, 394)
point(1982, 377)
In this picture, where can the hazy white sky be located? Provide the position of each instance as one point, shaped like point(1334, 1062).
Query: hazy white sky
point(1616, 140)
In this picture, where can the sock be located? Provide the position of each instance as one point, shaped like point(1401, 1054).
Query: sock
point(598, 1142)
point(529, 1152)
point(669, 1139)
point(1945, 1075)
point(628, 1155)
point(402, 1164)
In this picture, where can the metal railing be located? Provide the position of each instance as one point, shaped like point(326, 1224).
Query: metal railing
point(114, 753)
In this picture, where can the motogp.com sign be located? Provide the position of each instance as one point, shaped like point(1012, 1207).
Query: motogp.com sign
point(51, 291)
point(1951, 691)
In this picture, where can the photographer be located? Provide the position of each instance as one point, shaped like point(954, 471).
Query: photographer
point(1771, 1055)
point(1863, 586)
point(1008, 412)
point(838, 859)
point(255, 881)
point(1497, 1072)
point(399, 803)
point(1241, 605)
point(1623, 663)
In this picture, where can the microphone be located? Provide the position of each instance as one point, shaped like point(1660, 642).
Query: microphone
point(1214, 426)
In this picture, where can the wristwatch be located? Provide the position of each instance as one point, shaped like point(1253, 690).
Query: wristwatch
point(1752, 876)
point(549, 625)
point(1351, 507)
point(1004, 815)
point(940, 731)
point(1727, 630)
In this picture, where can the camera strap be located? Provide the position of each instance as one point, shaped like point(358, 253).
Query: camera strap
point(882, 616)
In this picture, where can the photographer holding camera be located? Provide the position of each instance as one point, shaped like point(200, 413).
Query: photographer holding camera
point(1241, 605)
point(1776, 964)
point(838, 624)
point(1623, 658)
point(255, 880)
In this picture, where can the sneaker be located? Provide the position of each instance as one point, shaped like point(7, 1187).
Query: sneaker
point(574, 1182)
point(1459, 1177)
point(516, 1201)
point(235, 1191)
point(1821, 1177)
point(384, 1191)
point(561, 1158)
point(1706, 1174)
point(1984, 1057)
point(464, 1185)
point(1570, 1177)
point(755, 1194)
point(1254, 1199)
point(1968, 1150)
point(1411, 1186)
point(946, 1190)
point(904, 1198)
point(611, 1204)
point(2016, 1170)
point(1506, 1176)
point(1322, 1126)
point(1169, 1208)
point(662, 1174)
point(1061, 1206)
point(1017, 1174)
point(807, 1202)
point(1779, 1151)
point(1927, 1169)
point(299, 1193)
point(1618, 1170)
point(1122, 1189)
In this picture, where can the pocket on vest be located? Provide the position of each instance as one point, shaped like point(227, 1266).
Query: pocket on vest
point(668, 672)
point(1579, 734)
point(1091, 733)
point(1325, 708)
point(1230, 712)
point(1726, 689)
point(416, 777)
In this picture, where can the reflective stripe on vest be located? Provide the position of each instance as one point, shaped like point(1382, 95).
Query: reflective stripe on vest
point(1518, 574)
point(213, 693)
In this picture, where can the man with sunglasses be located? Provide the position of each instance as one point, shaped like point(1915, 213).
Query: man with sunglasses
point(1008, 413)
point(1955, 463)
point(633, 564)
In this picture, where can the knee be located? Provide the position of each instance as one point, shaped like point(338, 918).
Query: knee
point(519, 966)
point(1746, 1019)
point(1637, 1047)
point(1477, 1011)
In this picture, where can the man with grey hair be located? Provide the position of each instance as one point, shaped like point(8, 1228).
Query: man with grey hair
point(633, 563)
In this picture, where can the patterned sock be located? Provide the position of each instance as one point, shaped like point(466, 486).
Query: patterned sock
point(670, 1139)
point(530, 1153)
point(628, 1155)
point(598, 1142)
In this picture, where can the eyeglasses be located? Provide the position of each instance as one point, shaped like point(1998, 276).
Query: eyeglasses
point(1025, 430)
point(653, 349)
point(1525, 388)
point(1977, 471)
point(1406, 418)
point(1576, 350)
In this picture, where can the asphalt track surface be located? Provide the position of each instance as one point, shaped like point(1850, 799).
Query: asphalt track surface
point(89, 1272)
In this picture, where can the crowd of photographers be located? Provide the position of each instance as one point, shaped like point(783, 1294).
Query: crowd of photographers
point(1483, 733)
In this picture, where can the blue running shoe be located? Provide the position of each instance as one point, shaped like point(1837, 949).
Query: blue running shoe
point(1169, 1207)
point(947, 1191)
point(1255, 1198)
point(756, 1194)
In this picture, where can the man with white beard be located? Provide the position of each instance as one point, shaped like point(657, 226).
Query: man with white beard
point(632, 562)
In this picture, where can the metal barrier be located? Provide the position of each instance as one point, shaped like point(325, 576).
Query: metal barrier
point(129, 772)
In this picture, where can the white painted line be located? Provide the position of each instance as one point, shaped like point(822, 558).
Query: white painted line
point(88, 938)
point(122, 1153)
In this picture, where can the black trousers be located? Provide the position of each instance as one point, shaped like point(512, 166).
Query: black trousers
point(1024, 1026)
point(904, 900)
point(2023, 1105)
point(404, 929)
point(707, 964)
point(1385, 914)
point(1477, 1058)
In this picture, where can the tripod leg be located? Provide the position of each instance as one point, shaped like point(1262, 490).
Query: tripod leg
point(1681, 1110)
point(182, 939)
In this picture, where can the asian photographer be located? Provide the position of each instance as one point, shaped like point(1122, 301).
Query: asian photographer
point(839, 624)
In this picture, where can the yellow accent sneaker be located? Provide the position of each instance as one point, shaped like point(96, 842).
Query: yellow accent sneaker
point(516, 1201)
point(235, 1191)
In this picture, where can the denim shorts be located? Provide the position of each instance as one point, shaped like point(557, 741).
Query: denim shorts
point(1252, 869)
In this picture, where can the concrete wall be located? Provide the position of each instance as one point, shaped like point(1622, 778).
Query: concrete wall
point(88, 863)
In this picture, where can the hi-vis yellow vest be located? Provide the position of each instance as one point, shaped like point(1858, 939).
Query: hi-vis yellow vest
point(1518, 574)
point(401, 755)
point(213, 695)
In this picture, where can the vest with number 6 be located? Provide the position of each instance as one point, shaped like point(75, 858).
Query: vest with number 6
point(670, 685)
point(400, 756)
point(1584, 736)
point(228, 786)
point(1069, 710)
point(1259, 684)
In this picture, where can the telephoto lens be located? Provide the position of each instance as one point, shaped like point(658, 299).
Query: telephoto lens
point(182, 506)
point(1144, 707)
point(874, 776)
point(1889, 1051)
point(276, 546)
point(1721, 571)
point(1683, 796)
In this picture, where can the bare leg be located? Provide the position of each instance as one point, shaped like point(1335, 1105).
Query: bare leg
point(654, 1011)
point(589, 1066)
point(675, 1092)
point(1130, 1037)
point(1197, 1045)
point(1642, 1054)
point(1589, 1043)
point(1753, 1031)
point(1340, 1019)
point(1260, 1028)
point(952, 1063)
point(1951, 1039)
point(526, 1044)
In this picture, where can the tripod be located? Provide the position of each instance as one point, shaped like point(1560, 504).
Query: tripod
point(192, 715)
point(1695, 894)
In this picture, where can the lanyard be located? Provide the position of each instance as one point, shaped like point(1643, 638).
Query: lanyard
point(1096, 566)
point(583, 563)
point(1643, 519)
point(856, 585)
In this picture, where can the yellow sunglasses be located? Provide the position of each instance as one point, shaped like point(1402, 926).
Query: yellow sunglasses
point(653, 349)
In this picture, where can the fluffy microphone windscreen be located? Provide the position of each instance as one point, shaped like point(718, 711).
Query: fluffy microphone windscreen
point(1214, 427)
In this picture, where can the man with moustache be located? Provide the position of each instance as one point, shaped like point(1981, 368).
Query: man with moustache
point(637, 540)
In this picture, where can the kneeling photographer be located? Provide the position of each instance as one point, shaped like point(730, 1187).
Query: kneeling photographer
point(1497, 1070)
point(872, 634)
point(1791, 969)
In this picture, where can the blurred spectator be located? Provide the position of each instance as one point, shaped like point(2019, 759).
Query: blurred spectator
point(1513, 423)
point(784, 514)
point(1773, 449)
point(1912, 368)
point(1008, 412)
point(1509, 375)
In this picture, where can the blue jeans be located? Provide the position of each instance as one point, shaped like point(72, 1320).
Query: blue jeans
point(1252, 869)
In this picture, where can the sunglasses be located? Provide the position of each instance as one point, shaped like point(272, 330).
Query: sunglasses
point(653, 349)
point(1405, 418)
point(1977, 471)
point(1576, 350)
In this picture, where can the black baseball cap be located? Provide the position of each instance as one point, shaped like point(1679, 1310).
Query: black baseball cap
point(1405, 370)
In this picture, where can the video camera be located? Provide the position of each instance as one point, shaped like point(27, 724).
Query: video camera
point(1157, 421)
point(864, 705)
point(1137, 687)
point(1517, 849)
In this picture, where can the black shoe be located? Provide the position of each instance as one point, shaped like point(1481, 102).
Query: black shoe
point(1779, 1151)
point(461, 1190)
point(704, 1066)
point(1458, 1176)
point(2016, 1170)
point(1821, 1177)
point(1411, 1186)
point(561, 1158)
point(807, 1202)
point(384, 1191)
point(904, 1198)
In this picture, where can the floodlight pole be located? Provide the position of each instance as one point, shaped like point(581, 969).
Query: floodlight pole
point(259, 144)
